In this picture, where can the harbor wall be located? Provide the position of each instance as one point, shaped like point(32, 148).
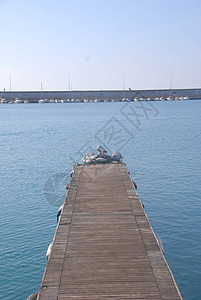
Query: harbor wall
point(102, 94)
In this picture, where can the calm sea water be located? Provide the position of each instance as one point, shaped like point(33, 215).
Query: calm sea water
point(38, 144)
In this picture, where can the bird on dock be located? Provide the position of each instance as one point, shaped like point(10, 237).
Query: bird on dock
point(59, 212)
point(49, 250)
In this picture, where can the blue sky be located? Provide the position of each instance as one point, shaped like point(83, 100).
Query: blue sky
point(98, 43)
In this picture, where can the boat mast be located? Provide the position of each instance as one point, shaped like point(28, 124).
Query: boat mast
point(170, 87)
point(10, 86)
point(41, 85)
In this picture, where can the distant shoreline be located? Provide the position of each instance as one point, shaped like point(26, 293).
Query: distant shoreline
point(102, 95)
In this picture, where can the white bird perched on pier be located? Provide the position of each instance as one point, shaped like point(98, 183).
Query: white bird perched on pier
point(49, 250)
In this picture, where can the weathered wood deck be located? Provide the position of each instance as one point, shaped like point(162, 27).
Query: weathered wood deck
point(104, 246)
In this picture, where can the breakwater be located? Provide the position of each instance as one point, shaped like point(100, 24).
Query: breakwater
point(35, 96)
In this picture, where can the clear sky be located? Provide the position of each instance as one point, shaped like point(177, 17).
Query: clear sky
point(94, 44)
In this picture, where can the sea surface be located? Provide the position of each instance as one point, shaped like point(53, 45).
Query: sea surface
point(39, 143)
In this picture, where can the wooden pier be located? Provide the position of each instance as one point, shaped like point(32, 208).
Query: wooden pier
point(104, 246)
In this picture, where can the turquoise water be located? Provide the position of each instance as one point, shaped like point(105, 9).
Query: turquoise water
point(38, 144)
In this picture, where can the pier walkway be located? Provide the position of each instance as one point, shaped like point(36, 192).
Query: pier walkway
point(104, 246)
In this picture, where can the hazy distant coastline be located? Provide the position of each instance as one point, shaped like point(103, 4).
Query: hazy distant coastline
point(101, 95)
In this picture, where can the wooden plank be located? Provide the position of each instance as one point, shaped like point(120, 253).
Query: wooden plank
point(104, 246)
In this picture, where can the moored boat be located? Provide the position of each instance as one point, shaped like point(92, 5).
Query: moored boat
point(17, 101)
point(4, 101)
point(169, 98)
